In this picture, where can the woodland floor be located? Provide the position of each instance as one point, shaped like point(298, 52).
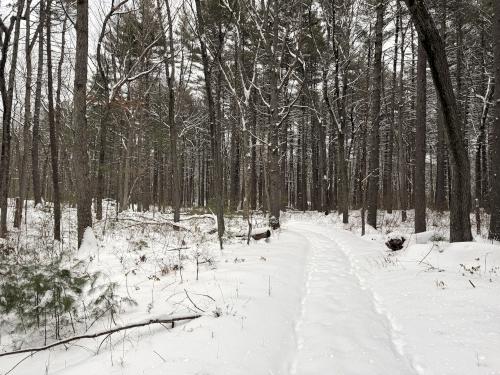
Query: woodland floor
point(315, 299)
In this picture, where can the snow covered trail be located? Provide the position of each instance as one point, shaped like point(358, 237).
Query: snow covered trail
point(314, 300)
point(340, 330)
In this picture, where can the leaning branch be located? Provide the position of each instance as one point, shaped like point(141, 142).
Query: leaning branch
point(103, 333)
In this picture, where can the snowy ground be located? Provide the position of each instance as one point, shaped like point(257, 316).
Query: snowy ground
point(316, 299)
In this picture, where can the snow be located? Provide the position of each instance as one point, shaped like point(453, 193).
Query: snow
point(89, 247)
point(316, 299)
point(340, 330)
point(424, 237)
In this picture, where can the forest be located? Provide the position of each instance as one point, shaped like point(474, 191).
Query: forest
point(224, 105)
point(196, 124)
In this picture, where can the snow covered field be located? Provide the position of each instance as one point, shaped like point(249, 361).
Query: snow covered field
point(315, 299)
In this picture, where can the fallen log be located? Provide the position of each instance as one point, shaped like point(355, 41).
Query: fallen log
point(103, 333)
point(262, 235)
point(257, 234)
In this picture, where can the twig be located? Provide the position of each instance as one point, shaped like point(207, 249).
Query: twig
point(159, 355)
point(204, 295)
point(426, 255)
point(194, 304)
point(471, 283)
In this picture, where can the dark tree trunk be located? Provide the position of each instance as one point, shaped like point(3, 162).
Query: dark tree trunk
point(176, 176)
point(85, 191)
point(215, 135)
point(35, 154)
point(234, 190)
point(495, 136)
point(440, 201)
point(27, 123)
point(460, 228)
point(7, 92)
point(253, 168)
point(374, 159)
point(389, 147)
point(403, 169)
point(420, 138)
point(53, 132)
point(274, 122)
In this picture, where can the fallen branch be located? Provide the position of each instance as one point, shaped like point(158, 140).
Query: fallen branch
point(167, 223)
point(102, 333)
point(199, 217)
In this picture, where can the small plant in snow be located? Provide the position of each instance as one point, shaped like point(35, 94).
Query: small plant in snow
point(471, 270)
point(438, 237)
point(108, 301)
point(42, 292)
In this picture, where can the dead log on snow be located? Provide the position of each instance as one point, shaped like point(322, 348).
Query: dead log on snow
point(262, 235)
point(257, 234)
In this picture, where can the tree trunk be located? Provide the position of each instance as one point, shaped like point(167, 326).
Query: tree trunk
point(403, 171)
point(494, 233)
point(440, 202)
point(82, 146)
point(176, 176)
point(7, 91)
point(420, 147)
point(215, 135)
point(389, 151)
point(37, 187)
point(274, 123)
point(460, 228)
point(53, 132)
point(234, 190)
point(27, 122)
point(374, 162)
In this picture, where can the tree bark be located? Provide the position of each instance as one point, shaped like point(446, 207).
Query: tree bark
point(85, 191)
point(374, 159)
point(403, 169)
point(420, 138)
point(494, 233)
point(215, 136)
point(27, 122)
point(7, 92)
point(274, 123)
point(460, 228)
point(440, 202)
point(35, 154)
point(176, 176)
point(389, 147)
point(53, 132)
